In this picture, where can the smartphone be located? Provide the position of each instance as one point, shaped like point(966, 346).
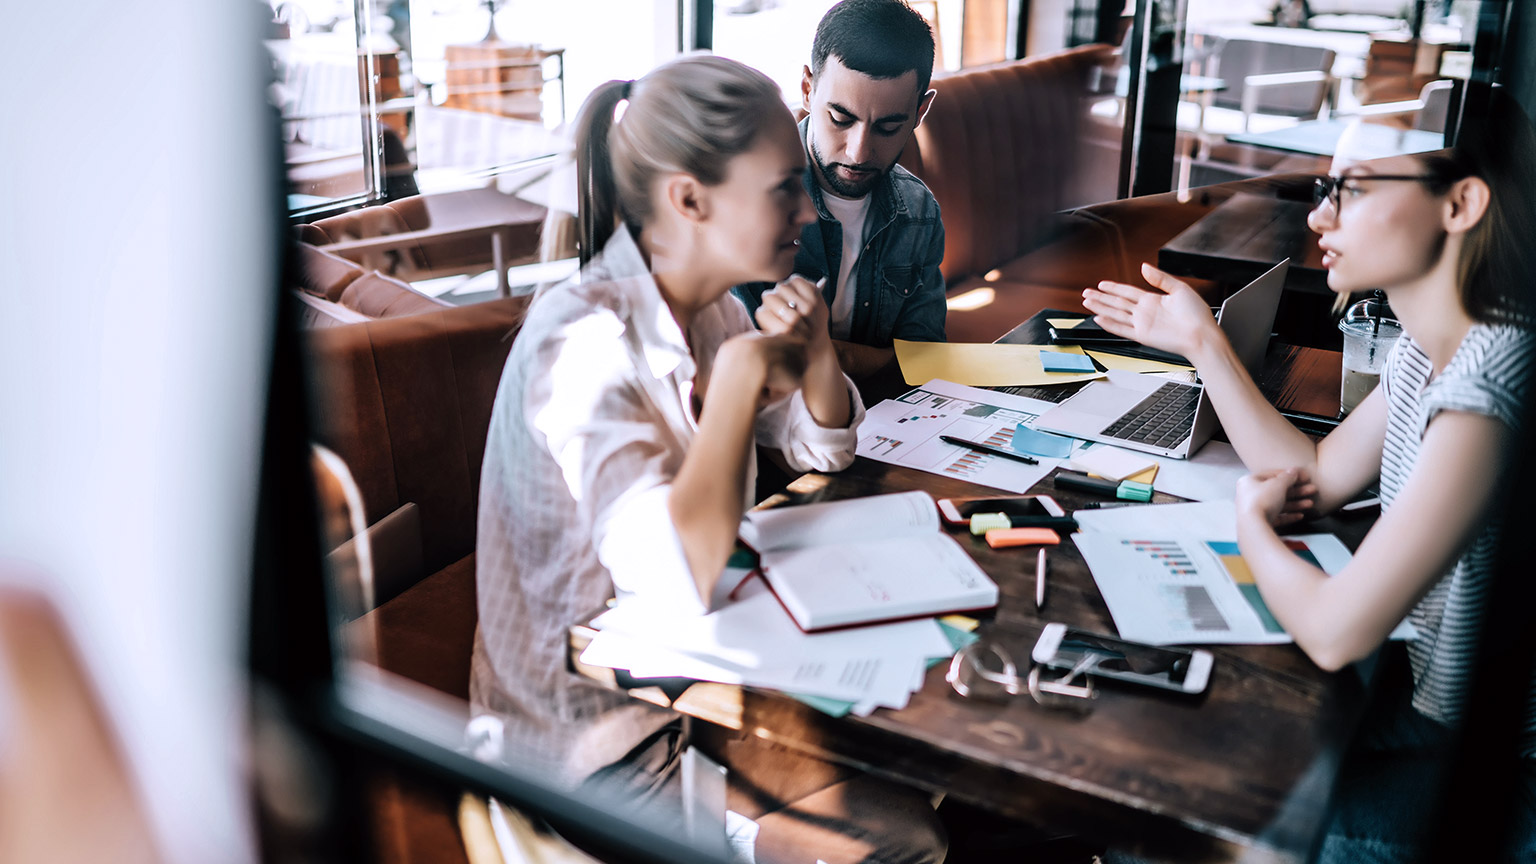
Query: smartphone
point(1033, 511)
point(1086, 333)
point(1182, 670)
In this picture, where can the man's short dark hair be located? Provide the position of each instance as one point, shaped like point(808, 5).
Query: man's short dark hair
point(880, 38)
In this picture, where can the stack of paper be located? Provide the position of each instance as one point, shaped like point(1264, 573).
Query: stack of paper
point(752, 641)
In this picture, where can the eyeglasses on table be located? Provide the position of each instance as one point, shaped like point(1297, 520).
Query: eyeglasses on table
point(985, 671)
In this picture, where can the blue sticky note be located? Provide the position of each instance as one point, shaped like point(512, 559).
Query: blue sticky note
point(1035, 443)
point(1060, 361)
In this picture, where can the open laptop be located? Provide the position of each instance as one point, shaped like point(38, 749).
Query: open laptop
point(1170, 418)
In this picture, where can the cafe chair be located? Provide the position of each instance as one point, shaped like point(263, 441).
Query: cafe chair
point(1272, 79)
point(1427, 113)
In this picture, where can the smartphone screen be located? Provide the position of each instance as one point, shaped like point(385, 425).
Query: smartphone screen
point(1008, 506)
point(1146, 661)
point(1088, 331)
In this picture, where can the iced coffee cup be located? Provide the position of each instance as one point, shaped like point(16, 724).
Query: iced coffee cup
point(1369, 334)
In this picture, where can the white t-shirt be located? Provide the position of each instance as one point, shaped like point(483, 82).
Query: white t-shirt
point(851, 215)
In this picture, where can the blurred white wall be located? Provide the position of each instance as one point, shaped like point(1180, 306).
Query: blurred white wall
point(136, 283)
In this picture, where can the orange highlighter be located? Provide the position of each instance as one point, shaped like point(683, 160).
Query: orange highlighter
point(1002, 538)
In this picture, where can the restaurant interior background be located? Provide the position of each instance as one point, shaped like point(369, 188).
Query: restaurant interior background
point(158, 539)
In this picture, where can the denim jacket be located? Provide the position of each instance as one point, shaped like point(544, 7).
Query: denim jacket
point(899, 290)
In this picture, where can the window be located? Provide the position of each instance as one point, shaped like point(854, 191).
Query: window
point(433, 95)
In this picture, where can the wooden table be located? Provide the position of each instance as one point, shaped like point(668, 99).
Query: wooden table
point(1242, 771)
point(1245, 236)
point(1321, 138)
point(465, 213)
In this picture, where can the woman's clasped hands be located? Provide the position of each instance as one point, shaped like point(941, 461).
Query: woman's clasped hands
point(1279, 497)
point(792, 337)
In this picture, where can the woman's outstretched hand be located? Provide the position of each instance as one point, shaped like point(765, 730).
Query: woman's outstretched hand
point(1281, 497)
point(1170, 317)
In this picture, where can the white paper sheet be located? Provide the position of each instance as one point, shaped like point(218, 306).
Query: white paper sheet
point(752, 641)
point(1209, 475)
point(905, 431)
point(1172, 573)
point(886, 681)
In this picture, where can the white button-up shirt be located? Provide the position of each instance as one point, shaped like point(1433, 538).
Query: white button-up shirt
point(591, 422)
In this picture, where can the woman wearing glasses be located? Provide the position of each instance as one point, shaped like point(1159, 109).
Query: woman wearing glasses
point(1447, 237)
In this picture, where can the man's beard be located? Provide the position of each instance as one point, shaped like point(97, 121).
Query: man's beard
point(840, 187)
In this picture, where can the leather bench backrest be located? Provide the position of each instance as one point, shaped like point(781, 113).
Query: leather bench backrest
point(321, 274)
point(380, 296)
point(369, 222)
point(998, 149)
point(406, 403)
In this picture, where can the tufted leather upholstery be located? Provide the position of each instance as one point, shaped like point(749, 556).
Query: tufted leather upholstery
point(337, 291)
point(1000, 150)
point(406, 403)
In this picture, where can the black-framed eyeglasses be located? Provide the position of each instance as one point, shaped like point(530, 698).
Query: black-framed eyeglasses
point(1327, 188)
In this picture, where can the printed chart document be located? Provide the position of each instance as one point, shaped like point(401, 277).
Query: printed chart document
point(863, 560)
point(905, 431)
point(1172, 573)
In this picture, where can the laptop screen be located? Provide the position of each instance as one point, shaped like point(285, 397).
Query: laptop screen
point(1248, 316)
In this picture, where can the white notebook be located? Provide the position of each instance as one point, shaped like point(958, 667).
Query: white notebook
point(865, 560)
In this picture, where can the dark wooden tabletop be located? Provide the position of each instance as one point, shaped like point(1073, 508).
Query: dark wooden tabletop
point(1245, 236)
point(1241, 771)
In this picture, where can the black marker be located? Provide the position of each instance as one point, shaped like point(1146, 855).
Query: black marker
point(988, 448)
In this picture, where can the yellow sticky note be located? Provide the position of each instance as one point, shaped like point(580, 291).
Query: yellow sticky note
point(1064, 323)
point(961, 622)
point(1146, 475)
point(982, 364)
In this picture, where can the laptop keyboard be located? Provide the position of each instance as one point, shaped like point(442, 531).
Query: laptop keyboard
point(1163, 419)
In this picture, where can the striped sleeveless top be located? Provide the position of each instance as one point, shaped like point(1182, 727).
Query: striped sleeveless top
point(1491, 373)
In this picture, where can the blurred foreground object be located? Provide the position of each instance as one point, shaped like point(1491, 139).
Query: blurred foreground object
point(60, 764)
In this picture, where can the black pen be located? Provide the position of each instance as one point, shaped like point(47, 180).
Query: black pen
point(988, 448)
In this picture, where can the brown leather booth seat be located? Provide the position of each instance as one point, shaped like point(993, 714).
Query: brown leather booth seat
point(335, 291)
point(406, 403)
point(1002, 149)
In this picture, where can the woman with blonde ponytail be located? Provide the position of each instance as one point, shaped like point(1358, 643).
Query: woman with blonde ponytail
point(621, 451)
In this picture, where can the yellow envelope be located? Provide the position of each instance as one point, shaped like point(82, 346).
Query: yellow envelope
point(983, 364)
